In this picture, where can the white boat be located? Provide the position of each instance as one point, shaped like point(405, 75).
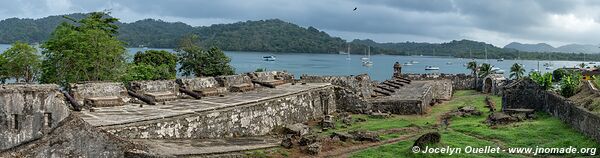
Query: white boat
point(367, 63)
point(549, 67)
point(432, 68)
point(534, 70)
point(497, 70)
point(448, 63)
point(348, 54)
point(367, 60)
point(414, 62)
point(269, 58)
point(501, 59)
point(408, 64)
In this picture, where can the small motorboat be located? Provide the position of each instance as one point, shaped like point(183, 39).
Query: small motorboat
point(448, 63)
point(408, 64)
point(534, 70)
point(414, 62)
point(501, 59)
point(432, 68)
point(269, 58)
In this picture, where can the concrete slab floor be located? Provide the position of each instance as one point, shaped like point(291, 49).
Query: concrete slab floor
point(190, 147)
point(105, 116)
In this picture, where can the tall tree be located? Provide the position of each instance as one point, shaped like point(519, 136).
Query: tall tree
point(22, 62)
point(195, 61)
point(164, 62)
point(485, 70)
point(472, 65)
point(85, 51)
point(517, 71)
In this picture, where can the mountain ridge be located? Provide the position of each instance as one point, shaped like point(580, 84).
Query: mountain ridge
point(543, 47)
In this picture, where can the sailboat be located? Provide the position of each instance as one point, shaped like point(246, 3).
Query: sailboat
point(368, 61)
point(431, 67)
point(365, 58)
point(549, 64)
point(348, 54)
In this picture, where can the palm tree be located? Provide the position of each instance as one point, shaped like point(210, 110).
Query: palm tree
point(485, 70)
point(472, 65)
point(517, 71)
point(582, 65)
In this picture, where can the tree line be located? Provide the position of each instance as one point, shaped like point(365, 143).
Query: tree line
point(272, 35)
point(88, 49)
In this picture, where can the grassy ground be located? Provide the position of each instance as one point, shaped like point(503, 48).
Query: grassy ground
point(545, 131)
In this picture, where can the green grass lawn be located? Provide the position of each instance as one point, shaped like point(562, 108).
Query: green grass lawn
point(544, 131)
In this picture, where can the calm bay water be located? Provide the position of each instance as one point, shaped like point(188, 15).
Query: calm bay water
point(335, 64)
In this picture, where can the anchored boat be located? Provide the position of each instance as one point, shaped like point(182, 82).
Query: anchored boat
point(269, 58)
point(432, 68)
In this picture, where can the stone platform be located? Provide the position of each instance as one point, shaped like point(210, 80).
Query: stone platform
point(413, 98)
point(252, 113)
point(130, 113)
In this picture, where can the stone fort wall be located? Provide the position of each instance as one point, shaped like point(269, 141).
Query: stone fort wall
point(459, 81)
point(259, 118)
point(527, 94)
point(27, 112)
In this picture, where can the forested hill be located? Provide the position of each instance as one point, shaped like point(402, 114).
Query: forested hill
point(455, 48)
point(263, 35)
point(269, 35)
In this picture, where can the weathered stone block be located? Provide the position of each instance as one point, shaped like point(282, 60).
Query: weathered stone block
point(27, 112)
point(81, 91)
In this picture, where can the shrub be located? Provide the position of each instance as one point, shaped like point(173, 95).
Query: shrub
point(545, 80)
point(569, 85)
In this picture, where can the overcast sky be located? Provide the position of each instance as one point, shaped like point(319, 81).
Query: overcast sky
point(498, 22)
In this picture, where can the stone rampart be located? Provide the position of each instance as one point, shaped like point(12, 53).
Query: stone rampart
point(92, 90)
point(156, 86)
point(527, 94)
point(252, 119)
point(459, 81)
point(27, 112)
point(350, 91)
point(419, 105)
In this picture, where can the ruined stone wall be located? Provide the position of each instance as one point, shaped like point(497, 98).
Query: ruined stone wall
point(523, 94)
point(403, 107)
point(198, 83)
point(154, 86)
point(527, 94)
point(459, 81)
point(350, 93)
point(74, 137)
point(252, 119)
point(231, 80)
point(27, 112)
point(360, 85)
point(441, 89)
point(80, 91)
point(271, 75)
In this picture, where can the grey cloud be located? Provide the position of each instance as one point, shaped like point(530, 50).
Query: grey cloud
point(383, 20)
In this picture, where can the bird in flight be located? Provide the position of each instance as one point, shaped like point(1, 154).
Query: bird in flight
point(354, 9)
